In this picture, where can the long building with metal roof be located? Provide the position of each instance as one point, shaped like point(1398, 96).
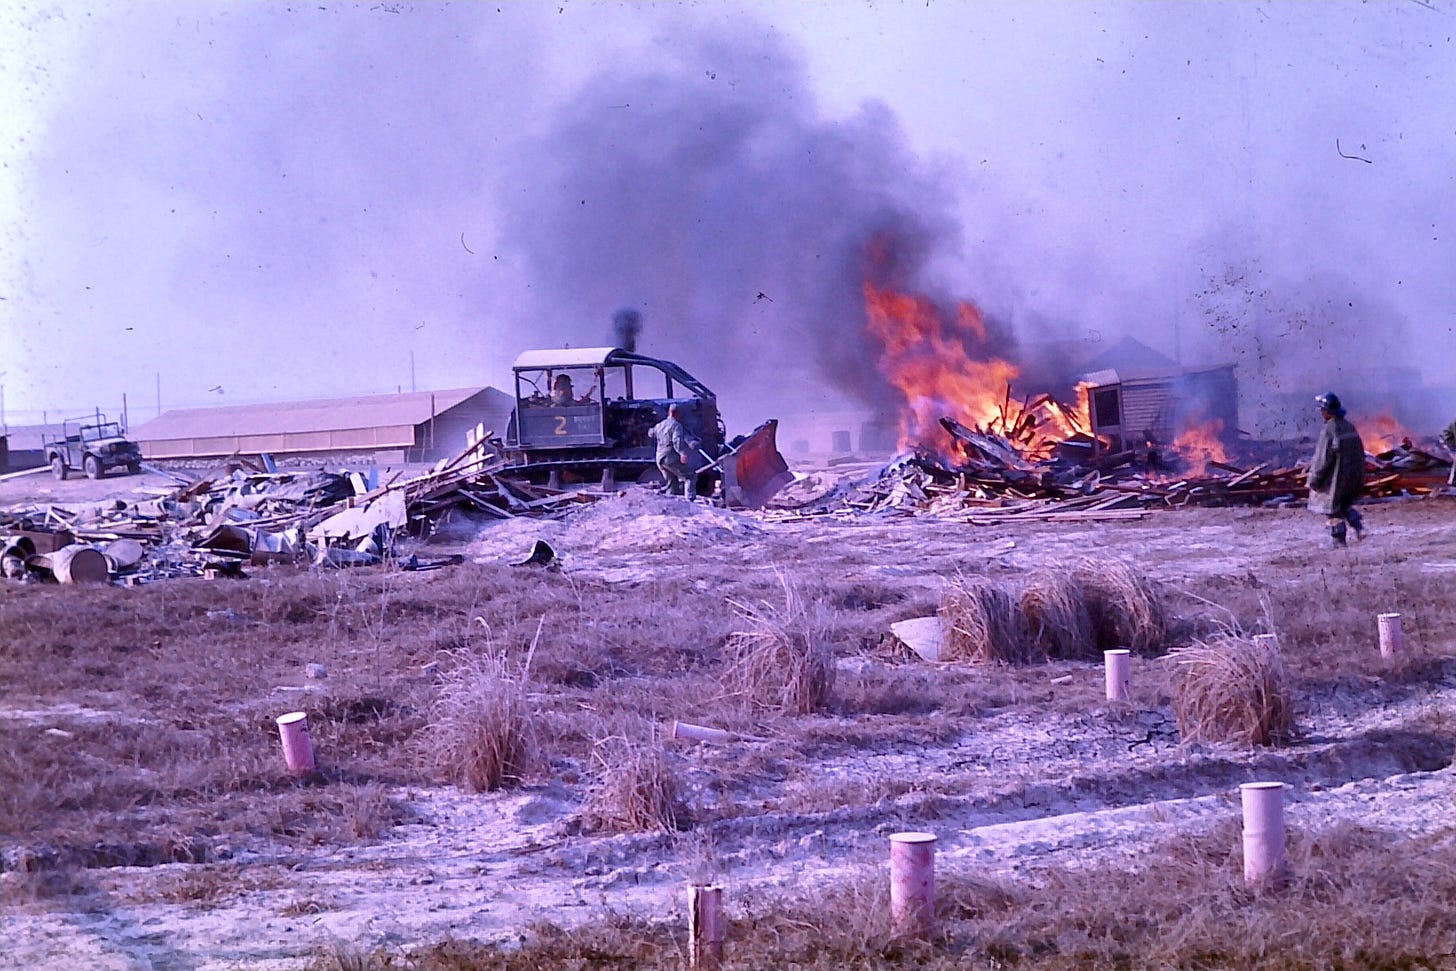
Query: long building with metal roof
point(412, 426)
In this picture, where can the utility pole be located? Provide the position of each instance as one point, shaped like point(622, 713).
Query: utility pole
point(412, 372)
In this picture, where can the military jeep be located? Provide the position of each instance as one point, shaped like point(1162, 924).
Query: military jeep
point(93, 445)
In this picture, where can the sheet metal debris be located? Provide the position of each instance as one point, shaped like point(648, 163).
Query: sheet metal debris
point(247, 514)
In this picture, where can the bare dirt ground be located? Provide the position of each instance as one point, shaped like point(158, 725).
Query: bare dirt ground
point(149, 823)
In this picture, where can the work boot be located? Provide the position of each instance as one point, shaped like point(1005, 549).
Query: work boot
point(1337, 534)
point(1358, 523)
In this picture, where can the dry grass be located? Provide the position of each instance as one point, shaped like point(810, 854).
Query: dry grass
point(1230, 689)
point(191, 674)
point(1355, 899)
point(983, 624)
point(781, 659)
point(1055, 607)
point(481, 733)
point(636, 789)
point(1126, 607)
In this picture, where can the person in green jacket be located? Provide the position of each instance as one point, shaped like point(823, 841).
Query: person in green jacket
point(674, 448)
point(1337, 471)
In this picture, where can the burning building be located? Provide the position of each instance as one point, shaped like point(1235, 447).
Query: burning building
point(1138, 407)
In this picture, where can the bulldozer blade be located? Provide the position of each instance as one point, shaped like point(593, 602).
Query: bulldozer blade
point(755, 471)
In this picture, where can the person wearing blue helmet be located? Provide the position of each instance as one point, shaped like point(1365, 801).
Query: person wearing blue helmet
point(1337, 471)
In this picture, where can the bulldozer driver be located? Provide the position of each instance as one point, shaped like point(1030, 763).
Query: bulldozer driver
point(674, 451)
point(562, 393)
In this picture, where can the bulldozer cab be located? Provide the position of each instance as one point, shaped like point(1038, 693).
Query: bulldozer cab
point(605, 400)
point(587, 413)
point(560, 407)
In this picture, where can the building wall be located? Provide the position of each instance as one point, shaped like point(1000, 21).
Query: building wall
point(427, 440)
point(290, 443)
point(1213, 395)
point(1148, 409)
point(1163, 406)
point(445, 436)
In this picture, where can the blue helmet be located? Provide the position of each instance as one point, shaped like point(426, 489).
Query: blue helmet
point(1329, 401)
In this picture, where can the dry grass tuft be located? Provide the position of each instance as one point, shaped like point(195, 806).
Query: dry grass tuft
point(637, 790)
point(481, 733)
point(983, 624)
point(783, 660)
point(1232, 690)
point(1126, 607)
point(1060, 625)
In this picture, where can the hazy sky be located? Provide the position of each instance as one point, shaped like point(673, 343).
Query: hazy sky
point(269, 201)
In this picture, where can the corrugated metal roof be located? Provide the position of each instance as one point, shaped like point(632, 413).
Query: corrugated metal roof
point(369, 411)
point(564, 357)
point(1129, 375)
point(31, 437)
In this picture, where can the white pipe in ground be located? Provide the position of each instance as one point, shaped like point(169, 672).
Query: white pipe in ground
point(1263, 804)
point(297, 746)
point(1390, 635)
point(912, 883)
point(1117, 666)
point(699, 733)
point(705, 926)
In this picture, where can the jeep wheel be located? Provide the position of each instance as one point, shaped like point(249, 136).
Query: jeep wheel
point(135, 468)
point(92, 465)
point(58, 469)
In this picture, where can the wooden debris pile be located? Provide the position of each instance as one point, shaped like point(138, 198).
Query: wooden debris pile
point(247, 513)
point(1024, 475)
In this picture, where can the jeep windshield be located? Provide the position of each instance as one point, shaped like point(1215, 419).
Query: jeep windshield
point(96, 433)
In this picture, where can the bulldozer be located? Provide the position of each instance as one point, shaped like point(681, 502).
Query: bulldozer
point(583, 415)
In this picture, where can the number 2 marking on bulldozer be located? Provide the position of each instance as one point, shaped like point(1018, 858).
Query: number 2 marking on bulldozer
point(561, 424)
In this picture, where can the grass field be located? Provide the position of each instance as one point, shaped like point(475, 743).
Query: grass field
point(147, 818)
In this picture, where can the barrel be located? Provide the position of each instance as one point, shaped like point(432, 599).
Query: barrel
point(79, 563)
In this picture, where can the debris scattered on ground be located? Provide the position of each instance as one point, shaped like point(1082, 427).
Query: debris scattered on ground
point(1011, 470)
point(245, 513)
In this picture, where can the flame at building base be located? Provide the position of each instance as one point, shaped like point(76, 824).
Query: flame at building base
point(942, 363)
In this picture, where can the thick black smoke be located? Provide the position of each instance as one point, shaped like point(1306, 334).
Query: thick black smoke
point(302, 199)
point(705, 187)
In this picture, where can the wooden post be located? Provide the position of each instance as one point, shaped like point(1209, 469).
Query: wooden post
point(705, 926)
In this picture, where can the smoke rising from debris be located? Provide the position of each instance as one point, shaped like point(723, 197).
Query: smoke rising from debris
point(704, 185)
point(304, 196)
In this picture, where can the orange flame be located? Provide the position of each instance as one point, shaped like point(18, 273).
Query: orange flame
point(1381, 433)
point(1200, 444)
point(926, 354)
point(941, 363)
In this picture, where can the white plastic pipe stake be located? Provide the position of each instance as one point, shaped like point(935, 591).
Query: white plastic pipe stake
point(1117, 665)
point(912, 883)
point(297, 746)
point(1263, 804)
point(1390, 635)
point(699, 733)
